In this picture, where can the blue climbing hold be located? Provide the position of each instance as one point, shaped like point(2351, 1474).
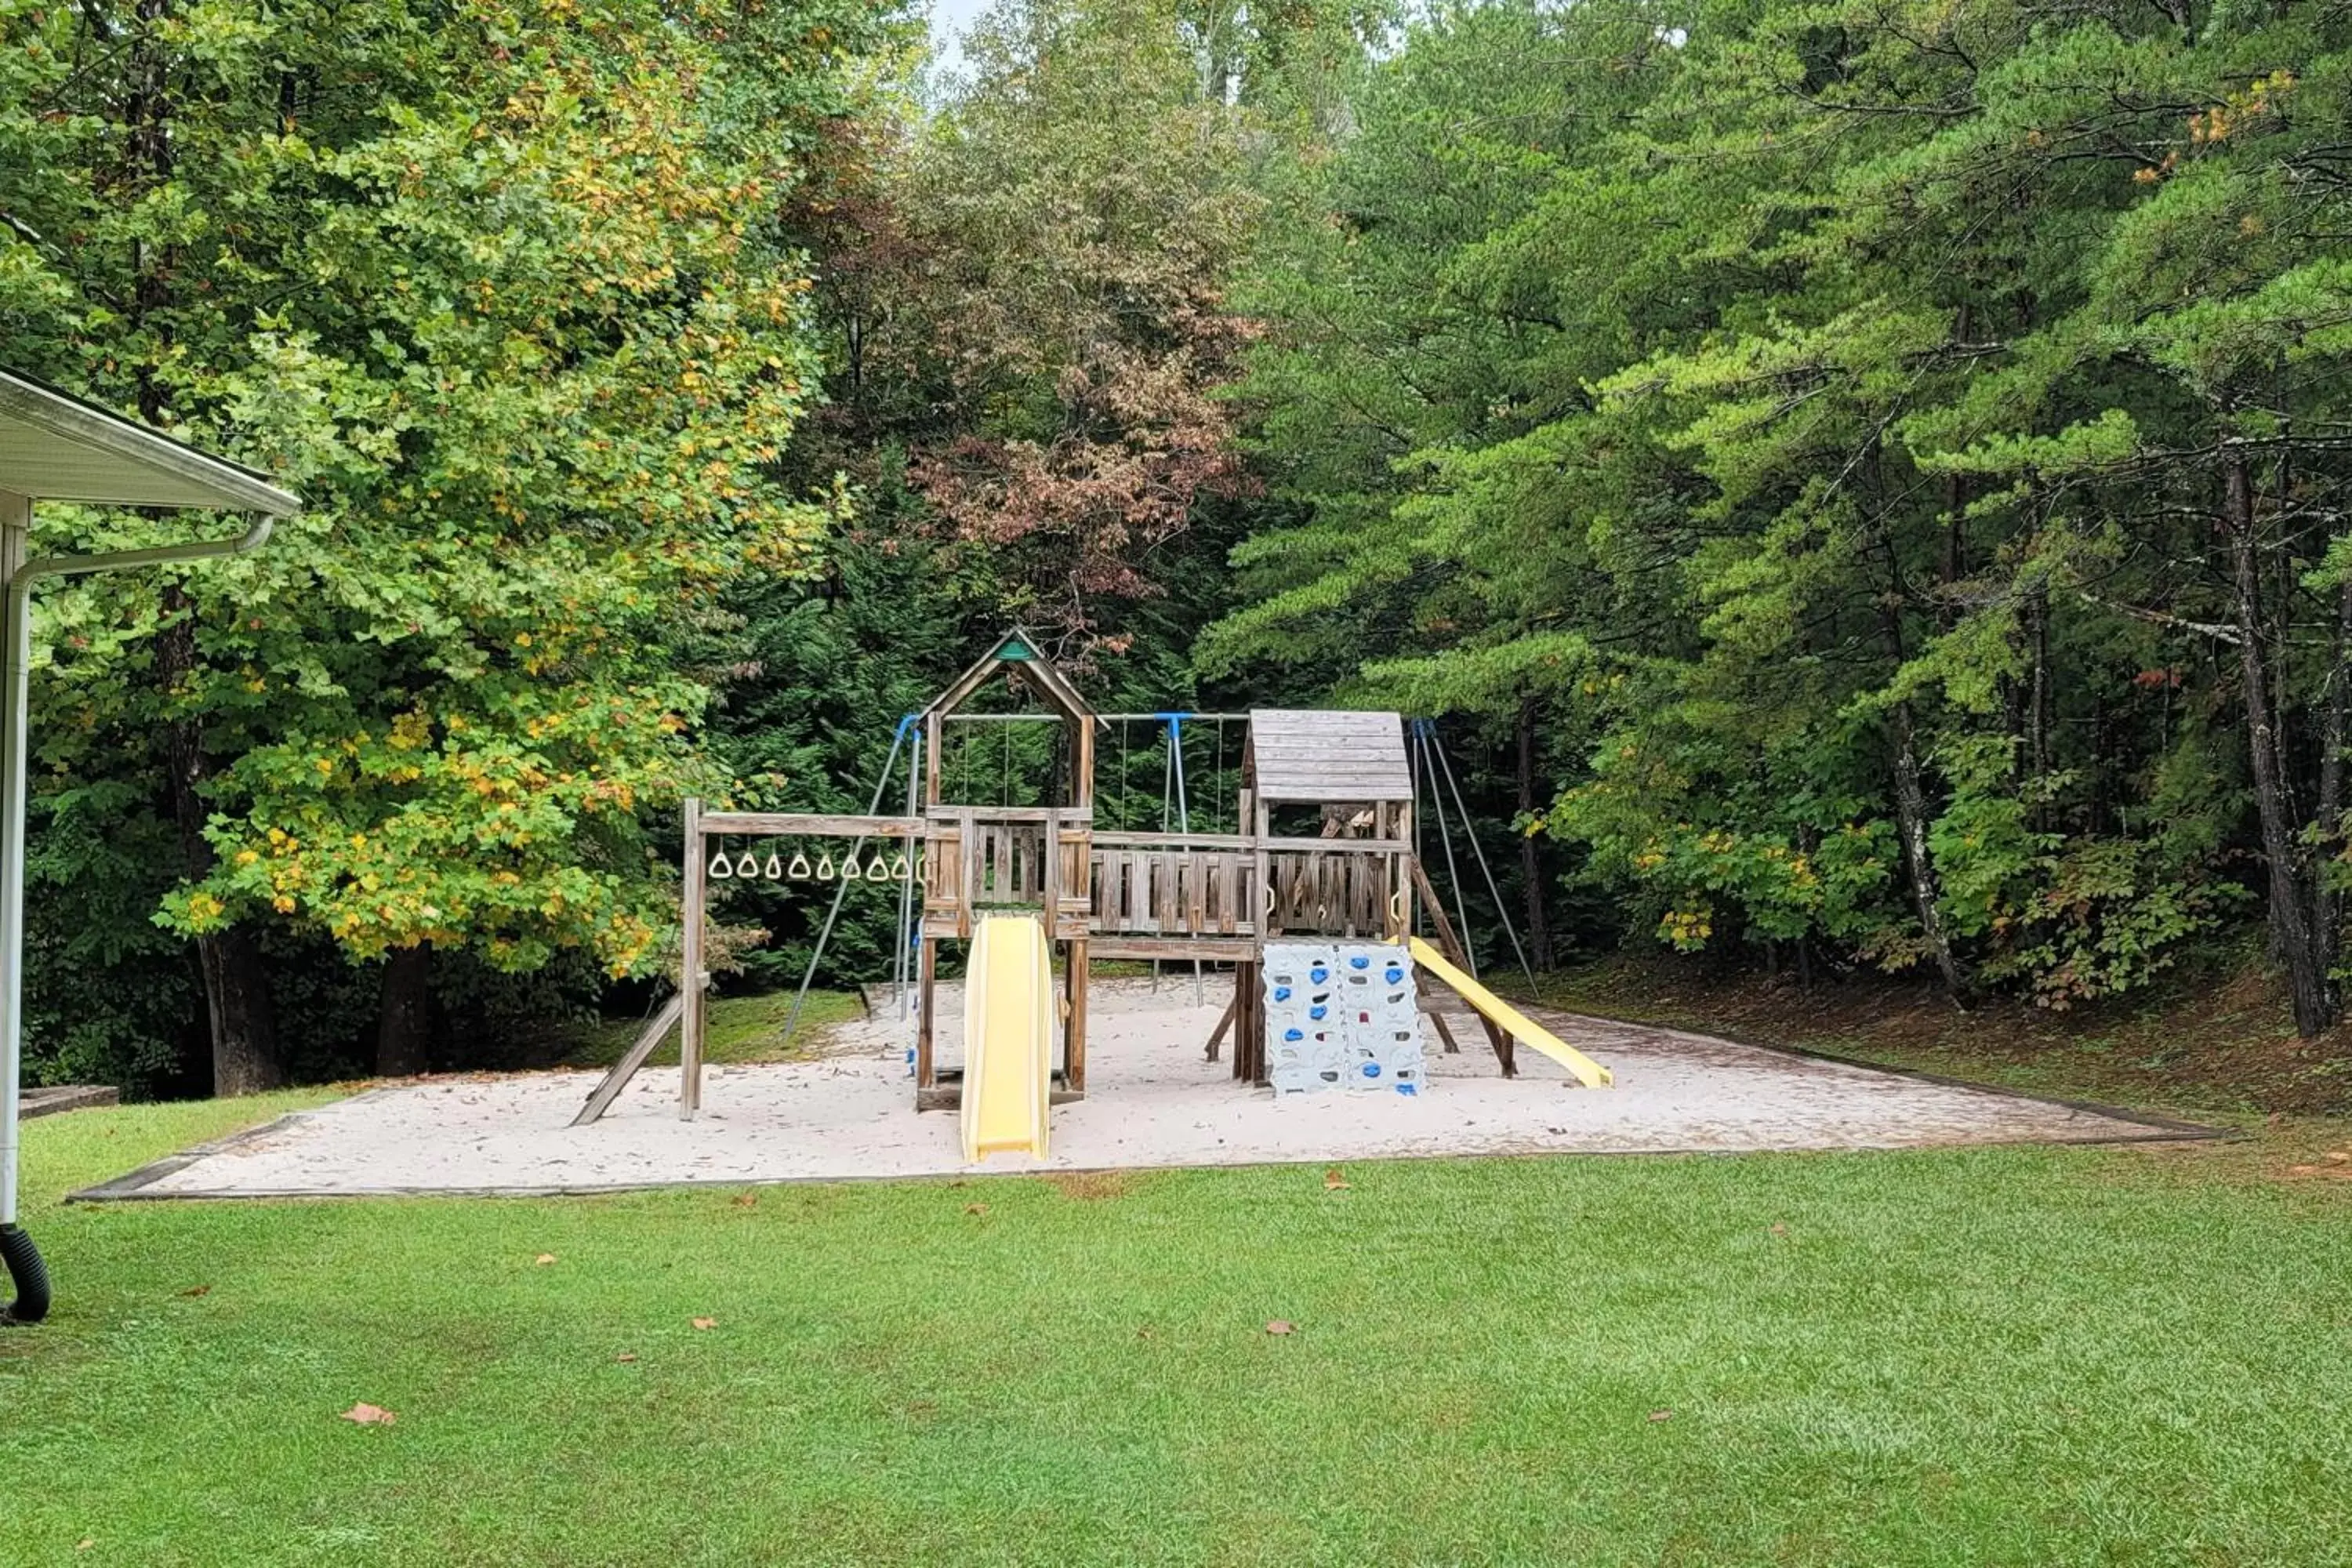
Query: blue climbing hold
point(1395, 976)
point(1407, 1088)
point(1282, 993)
point(1360, 961)
point(1293, 1035)
point(1372, 1069)
point(1316, 1012)
point(1319, 975)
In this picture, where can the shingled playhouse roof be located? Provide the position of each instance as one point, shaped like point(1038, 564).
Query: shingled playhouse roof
point(1327, 756)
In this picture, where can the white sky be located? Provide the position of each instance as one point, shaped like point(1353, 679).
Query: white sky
point(949, 19)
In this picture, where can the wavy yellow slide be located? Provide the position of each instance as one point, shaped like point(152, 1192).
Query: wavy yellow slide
point(1585, 1071)
point(1008, 1038)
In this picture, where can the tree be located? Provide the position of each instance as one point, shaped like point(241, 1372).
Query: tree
point(1890, 442)
point(502, 288)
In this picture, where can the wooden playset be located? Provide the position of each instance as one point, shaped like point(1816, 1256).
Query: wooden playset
point(1349, 872)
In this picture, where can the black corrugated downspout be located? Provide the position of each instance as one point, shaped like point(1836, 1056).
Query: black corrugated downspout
point(30, 1274)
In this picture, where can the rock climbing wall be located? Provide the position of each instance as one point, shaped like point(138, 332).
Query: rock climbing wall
point(1342, 1015)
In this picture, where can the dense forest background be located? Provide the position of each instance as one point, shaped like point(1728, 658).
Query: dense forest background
point(1859, 486)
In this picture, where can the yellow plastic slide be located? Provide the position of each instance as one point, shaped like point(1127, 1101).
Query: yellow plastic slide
point(1586, 1071)
point(1008, 1038)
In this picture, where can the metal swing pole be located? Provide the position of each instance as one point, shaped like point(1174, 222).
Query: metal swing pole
point(906, 888)
point(1470, 831)
point(1421, 732)
point(1167, 777)
point(1184, 812)
point(841, 889)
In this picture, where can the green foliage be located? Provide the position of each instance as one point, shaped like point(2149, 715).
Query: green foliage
point(1859, 393)
point(504, 290)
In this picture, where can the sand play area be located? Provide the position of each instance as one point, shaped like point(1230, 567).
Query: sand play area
point(848, 1112)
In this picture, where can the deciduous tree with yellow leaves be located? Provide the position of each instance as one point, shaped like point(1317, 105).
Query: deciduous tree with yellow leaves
point(499, 286)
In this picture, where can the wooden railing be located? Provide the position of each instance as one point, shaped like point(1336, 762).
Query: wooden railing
point(1335, 887)
point(1163, 884)
point(1205, 887)
point(991, 857)
point(1208, 885)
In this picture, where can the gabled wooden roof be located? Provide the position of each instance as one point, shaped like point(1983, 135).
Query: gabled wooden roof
point(1327, 756)
point(1018, 651)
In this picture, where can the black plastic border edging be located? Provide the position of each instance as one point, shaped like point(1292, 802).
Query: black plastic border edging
point(129, 1185)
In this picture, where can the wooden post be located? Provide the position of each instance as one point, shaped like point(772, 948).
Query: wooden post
point(690, 1016)
point(934, 738)
point(927, 992)
point(1074, 1075)
point(1400, 881)
point(1224, 1023)
point(1249, 1025)
point(1268, 921)
point(1082, 862)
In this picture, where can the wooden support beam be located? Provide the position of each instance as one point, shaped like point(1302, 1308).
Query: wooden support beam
point(1225, 1025)
point(926, 999)
point(691, 978)
point(788, 824)
point(1450, 946)
point(1135, 947)
point(608, 1088)
point(1074, 1026)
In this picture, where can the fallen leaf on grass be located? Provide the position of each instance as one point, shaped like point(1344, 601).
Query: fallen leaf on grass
point(1662, 1414)
point(626, 1355)
point(1333, 1181)
point(198, 1290)
point(1779, 1230)
point(544, 1258)
point(85, 1543)
point(975, 1208)
point(1147, 1332)
point(745, 1200)
point(365, 1414)
point(706, 1322)
point(1281, 1326)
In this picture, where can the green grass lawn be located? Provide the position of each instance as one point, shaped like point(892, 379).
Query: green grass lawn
point(2018, 1356)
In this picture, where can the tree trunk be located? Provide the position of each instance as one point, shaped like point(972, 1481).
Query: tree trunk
point(403, 1041)
point(236, 987)
point(1911, 796)
point(2327, 916)
point(2038, 707)
point(1530, 862)
point(1911, 823)
point(2293, 939)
